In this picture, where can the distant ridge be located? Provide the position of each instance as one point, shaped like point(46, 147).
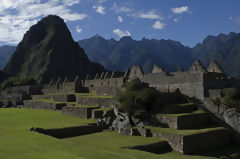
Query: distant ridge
point(122, 54)
point(225, 49)
point(170, 55)
point(48, 50)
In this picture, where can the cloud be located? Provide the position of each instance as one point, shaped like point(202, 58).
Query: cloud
point(158, 25)
point(78, 29)
point(121, 33)
point(120, 19)
point(150, 15)
point(101, 1)
point(230, 18)
point(100, 9)
point(119, 9)
point(16, 16)
point(180, 10)
point(70, 2)
point(238, 21)
point(175, 19)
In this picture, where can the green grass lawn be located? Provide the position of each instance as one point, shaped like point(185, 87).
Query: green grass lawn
point(199, 111)
point(184, 132)
point(17, 142)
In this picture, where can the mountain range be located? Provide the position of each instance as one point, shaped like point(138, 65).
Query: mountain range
point(121, 54)
point(169, 54)
point(48, 51)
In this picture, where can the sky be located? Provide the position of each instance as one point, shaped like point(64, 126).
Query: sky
point(187, 21)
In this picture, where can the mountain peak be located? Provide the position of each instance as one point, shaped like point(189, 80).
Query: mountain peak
point(126, 39)
point(49, 51)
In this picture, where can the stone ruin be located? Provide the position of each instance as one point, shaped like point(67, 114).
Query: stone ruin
point(197, 82)
point(69, 97)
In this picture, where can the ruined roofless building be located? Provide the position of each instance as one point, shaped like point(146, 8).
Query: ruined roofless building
point(196, 82)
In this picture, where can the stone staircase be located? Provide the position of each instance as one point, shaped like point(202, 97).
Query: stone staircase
point(83, 105)
point(188, 129)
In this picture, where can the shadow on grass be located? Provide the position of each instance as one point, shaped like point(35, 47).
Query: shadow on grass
point(226, 152)
point(156, 148)
point(68, 132)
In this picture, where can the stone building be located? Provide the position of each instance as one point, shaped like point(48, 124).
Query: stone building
point(197, 82)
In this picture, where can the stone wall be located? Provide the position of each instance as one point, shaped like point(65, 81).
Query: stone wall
point(105, 91)
point(82, 112)
point(28, 89)
point(205, 141)
point(42, 105)
point(107, 82)
point(68, 87)
point(229, 116)
point(97, 101)
point(184, 121)
point(214, 93)
point(136, 72)
point(190, 84)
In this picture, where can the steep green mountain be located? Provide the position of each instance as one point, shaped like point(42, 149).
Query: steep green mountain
point(5, 53)
point(122, 54)
point(225, 49)
point(48, 50)
point(3, 76)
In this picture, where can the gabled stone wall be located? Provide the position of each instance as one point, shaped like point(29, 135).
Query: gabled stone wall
point(190, 84)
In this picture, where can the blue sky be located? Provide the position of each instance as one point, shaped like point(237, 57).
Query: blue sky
point(187, 21)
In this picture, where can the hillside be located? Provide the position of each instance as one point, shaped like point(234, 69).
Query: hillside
point(5, 53)
point(225, 49)
point(48, 50)
point(3, 76)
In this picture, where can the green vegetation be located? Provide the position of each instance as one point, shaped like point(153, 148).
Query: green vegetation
point(140, 101)
point(48, 101)
point(102, 109)
point(84, 106)
point(199, 111)
point(17, 81)
point(183, 132)
point(231, 98)
point(17, 142)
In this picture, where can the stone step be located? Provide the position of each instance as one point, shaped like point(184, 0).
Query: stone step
point(193, 141)
point(79, 111)
point(178, 108)
point(43, 104)
point(105, 101)
point(184, 121)
point(37, 97)
point(99, 113)
point(64, 98)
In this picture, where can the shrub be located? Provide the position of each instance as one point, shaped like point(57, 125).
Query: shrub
point(140, 101)
point(16, 81)
point(231, 98)
point(231, 92)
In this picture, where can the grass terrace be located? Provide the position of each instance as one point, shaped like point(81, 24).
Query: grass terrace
point(17, 142)
point(199, 111)
point(184, 132)
point(83, 106)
